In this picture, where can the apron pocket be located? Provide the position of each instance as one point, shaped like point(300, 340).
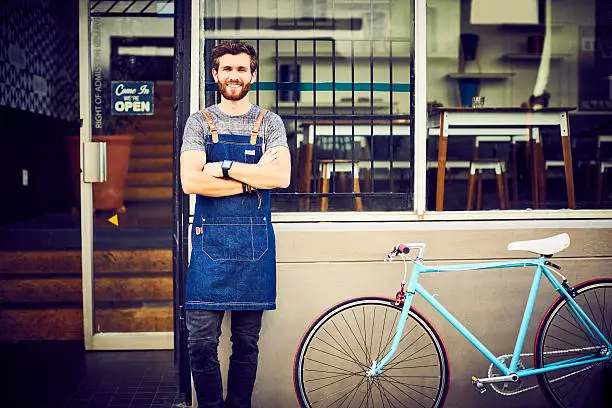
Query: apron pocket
point(234, 238)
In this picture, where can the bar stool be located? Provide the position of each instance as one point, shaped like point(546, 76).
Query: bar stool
point(326, 167)
point(476, 169)
point(512, 140)
point(541, 168)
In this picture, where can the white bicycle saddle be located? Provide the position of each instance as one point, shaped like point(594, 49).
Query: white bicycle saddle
point(544, 246)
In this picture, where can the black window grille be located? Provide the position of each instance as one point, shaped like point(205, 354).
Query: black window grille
point(346, 102)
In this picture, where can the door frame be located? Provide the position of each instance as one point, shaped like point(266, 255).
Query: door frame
point(93, 340)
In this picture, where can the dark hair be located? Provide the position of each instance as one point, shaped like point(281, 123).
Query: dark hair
point(234, 47)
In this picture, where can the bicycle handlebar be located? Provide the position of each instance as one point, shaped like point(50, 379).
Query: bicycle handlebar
point(401, 248)
point(405, 250)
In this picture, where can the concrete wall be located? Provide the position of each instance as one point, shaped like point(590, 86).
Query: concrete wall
point(322, 264)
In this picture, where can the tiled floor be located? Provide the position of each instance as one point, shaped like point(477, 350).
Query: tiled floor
point(63, 375)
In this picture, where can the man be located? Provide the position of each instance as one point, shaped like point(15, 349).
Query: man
point(233, 153)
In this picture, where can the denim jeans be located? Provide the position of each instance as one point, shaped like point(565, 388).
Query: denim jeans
point(204, 328)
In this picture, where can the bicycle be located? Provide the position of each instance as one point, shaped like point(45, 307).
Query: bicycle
point(341, 360)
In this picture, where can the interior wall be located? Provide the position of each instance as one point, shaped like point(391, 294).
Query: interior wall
point(568, 18)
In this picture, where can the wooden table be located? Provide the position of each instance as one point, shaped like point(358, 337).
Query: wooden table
point(471, 121)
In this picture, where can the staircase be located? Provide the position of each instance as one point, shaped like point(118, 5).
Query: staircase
point(41, 293)
point(150, 169)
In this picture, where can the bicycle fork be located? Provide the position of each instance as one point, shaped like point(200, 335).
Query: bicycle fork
point(405, 295)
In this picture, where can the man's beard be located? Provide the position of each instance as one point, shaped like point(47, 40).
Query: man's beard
point(230, 94)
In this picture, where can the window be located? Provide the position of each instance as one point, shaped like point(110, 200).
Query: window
point(492, 161)
point(338, 73)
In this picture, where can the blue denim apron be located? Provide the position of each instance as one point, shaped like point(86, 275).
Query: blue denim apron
point(233, 262)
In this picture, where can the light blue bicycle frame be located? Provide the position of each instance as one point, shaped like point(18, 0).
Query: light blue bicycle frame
point(415, 287)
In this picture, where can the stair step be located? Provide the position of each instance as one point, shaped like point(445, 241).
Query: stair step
point(146, 125)
point(69, 289)
point(66, 323)
point(164, 88)
point(152, 150)
point(150, 178)
point(152, 137)
point(148, 193)
point(44, 291)
point(163, 111)
point(114, 261)
point(154, 164)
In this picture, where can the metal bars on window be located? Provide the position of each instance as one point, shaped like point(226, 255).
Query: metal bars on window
point(344, 117)
point(133, 8)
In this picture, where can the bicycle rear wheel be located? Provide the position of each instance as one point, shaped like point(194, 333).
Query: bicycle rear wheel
point(561, 336)
point(340, 346)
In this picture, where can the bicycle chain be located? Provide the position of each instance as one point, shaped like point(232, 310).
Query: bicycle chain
point(503, 357)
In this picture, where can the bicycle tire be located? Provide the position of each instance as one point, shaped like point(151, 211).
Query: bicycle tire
point(560, 336)
point(339, 346)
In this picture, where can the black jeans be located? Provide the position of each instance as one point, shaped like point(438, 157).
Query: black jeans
point(204, 328)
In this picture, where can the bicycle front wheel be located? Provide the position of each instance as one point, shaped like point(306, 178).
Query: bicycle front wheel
point(561, 337)
point(341, 345)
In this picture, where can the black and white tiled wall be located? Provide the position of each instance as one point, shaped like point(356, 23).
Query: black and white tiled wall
point(39, 57)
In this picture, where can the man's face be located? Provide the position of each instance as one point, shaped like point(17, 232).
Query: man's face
point(234, 77)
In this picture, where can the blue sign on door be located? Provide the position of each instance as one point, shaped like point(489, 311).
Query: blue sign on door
point(131, 98)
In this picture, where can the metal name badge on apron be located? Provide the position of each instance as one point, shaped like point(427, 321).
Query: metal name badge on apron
point(233, 262)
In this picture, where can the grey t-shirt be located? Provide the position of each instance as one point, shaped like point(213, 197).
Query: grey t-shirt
point(272, 129)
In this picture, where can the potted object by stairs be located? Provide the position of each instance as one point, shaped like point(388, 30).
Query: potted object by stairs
point(110, 194)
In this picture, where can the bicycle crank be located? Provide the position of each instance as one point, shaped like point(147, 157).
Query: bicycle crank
point(513, 387)
point(480, 383)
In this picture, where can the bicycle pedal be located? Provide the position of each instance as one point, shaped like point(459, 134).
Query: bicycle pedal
point(480, 387)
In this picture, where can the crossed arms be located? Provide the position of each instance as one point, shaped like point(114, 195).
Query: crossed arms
point(198, 177)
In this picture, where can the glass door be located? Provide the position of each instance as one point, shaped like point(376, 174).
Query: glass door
point(126, 96)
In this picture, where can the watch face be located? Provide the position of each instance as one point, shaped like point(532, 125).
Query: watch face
point(225, 166)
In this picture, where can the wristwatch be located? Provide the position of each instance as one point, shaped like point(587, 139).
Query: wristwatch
point(225, 166)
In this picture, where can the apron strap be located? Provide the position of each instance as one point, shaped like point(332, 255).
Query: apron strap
point(255, 130)
point(211, 125)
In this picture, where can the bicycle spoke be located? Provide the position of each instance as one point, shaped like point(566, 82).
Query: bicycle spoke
point(337, 392)
point(330, 365)
point(382, 331)
point(365, 334)
point(332, 383)
point(372, 334)
point(403, 392)
point(325, 378)
point(345, 341)
point(363, 348)
point(383, 393)
point(576, 388)
point(351, 358)
point(578, 325)
point(569, 332)
point(602, 309)
point(354, 336)
point(389, 393)
point(353, 393)
point(341, 358)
